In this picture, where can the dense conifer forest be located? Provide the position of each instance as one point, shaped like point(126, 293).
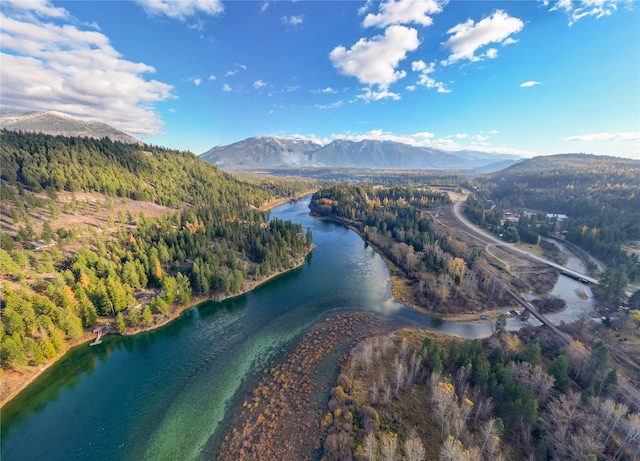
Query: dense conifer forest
point(209, 240)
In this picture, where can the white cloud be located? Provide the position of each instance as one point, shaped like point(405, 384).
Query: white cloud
point(462, 135)
point(212, 77)
point(424, 79)
point(415, 139)
point(480, 138)
point(529, 84)
point(181, 9)
point(308, 137)
point(418, 66)
point(264, 7)
point(383, 93)
point(195, 80)
point(235, 71)
point(293, 21)
point(449, 144)
point(259, 84)
point(333, 105)
point(404, 12)
point(491, 53)
point(226, 87)
point(410, 88)
point(466, 38)
point(493, 132)
point(41, 8)
point(374, 62)
point(327, 90)
point(627, 136)
point(579, 9)
point(58, 66)
point(509, 41)
point(290, 88)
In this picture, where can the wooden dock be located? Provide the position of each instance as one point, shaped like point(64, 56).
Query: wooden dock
point(100, 331)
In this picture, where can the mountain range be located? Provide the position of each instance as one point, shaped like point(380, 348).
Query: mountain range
point(274, 152)
point(271, 152)
point(57, 123)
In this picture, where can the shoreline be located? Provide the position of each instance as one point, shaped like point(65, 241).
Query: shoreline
point(18, 380)
point(396, 280)
point(33, 372)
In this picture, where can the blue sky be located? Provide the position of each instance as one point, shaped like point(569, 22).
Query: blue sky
point(526, 77)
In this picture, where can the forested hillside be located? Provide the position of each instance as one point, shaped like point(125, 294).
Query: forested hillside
point(60, 279)
point(600, 195)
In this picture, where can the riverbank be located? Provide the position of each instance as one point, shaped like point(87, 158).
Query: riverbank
point(16, 380)
point(283, 417)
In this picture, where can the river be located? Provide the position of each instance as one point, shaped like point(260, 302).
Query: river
point(170, 393)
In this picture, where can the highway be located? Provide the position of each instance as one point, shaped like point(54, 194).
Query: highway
point(460, 217)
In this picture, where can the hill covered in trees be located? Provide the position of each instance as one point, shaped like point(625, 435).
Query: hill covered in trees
point(207, 237)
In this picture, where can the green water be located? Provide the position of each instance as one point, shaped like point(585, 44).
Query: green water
point(167, 394)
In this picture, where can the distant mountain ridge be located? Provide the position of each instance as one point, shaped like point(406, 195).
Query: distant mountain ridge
point(57, 123)
point(274, 152)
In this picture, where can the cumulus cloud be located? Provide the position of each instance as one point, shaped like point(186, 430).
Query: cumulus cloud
point(579, 9)
point(426, 80)
point(50, 64)
point(293, 21)
point(529, 84)
point(195, 80)
point(259, 84)
point(374, 62)
point(264, 7)
point(627, 136)
point(467, 37)
point(212, 77)
point(181, 9)
point(226, 87)
point(403, 12)
point(462, 135)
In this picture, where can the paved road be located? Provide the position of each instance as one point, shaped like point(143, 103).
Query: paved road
point(458, 214)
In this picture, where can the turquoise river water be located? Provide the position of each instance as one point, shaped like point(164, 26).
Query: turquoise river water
point(168, 394)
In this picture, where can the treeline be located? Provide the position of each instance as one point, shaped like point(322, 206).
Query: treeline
point(501, 398)
point(446, 274)
point(167, 177)
point(133, 272)
point(279, 185)
point(600, 195)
